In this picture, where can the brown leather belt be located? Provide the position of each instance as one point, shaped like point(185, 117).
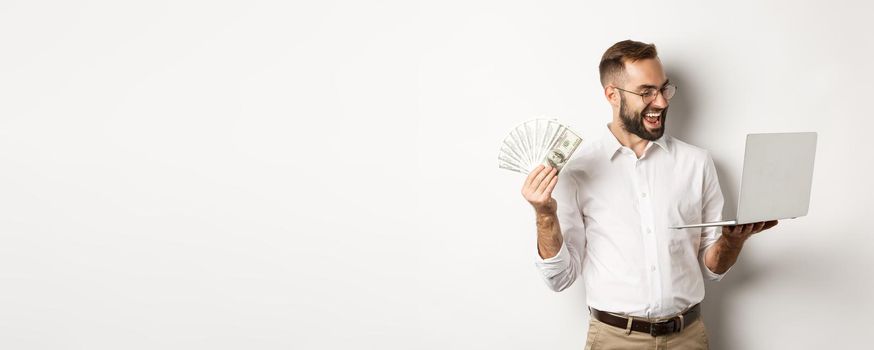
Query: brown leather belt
point(671, 325)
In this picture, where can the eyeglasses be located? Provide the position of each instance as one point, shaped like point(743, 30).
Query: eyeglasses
point(650, 95)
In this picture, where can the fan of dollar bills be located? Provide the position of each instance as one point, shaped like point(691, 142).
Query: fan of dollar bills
point(535, 142)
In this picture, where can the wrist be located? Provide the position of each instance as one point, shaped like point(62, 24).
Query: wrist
point(544, 212)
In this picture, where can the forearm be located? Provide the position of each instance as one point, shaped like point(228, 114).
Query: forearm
point(722, 255)
point(549, 237)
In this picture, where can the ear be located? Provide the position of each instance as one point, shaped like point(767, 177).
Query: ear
point(612, 95)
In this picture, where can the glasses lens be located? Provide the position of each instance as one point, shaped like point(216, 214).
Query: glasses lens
point(668, 91)
point(649, 96)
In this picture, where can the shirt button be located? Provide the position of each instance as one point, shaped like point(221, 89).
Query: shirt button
point(649, 230)
point(652, 268)
point(643, 194)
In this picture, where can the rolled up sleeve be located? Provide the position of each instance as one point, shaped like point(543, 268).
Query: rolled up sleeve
point(712, 212)
point(561, 270)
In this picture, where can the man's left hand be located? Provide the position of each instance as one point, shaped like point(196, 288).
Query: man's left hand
point(738, 234)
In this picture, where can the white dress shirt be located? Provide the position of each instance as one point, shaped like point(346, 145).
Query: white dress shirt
point(614, 211)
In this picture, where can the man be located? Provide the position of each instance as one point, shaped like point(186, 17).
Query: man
point(612, 208)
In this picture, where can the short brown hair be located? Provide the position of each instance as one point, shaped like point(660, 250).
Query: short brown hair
point(613, 61)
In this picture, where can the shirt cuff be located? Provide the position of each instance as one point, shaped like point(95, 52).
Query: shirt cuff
point(710, 275)
point(554, 265)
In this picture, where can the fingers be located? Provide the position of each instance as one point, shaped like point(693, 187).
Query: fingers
point(747, 229)
point(533, 175)
point(764, 225)
point(758, 227)
point(538, 187)
point(737, 230)
point(539, 178)
point(552, 184)
point(732, 230)
point(544, 183)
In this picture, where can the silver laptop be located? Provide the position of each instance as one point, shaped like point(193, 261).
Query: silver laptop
point(777, 175)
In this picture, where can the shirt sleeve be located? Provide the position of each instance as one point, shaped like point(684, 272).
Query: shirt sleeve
point(561, 270)
point(712, 212)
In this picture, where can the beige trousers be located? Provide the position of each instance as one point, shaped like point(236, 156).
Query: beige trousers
point(606, 337)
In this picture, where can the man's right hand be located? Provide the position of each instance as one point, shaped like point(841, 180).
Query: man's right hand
point(537, 189)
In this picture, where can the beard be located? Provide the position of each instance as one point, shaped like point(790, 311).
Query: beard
point(633, 122)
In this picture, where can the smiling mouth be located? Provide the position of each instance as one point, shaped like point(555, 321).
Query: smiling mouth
point(653, 119)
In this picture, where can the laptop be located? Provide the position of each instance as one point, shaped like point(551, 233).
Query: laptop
point(776, 181)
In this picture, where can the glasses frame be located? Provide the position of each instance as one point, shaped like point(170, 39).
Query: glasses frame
point(655, 96)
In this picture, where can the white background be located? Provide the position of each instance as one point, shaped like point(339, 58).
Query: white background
point(322, 175)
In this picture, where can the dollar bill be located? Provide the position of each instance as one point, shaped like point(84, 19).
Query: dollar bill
point(560, 152)
point(535, 142)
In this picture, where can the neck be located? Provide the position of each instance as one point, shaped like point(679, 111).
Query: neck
point(627, 139)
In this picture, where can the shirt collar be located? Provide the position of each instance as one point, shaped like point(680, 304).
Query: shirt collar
point(611, 145)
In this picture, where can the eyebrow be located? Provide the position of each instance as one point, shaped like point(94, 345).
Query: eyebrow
point(648, 86)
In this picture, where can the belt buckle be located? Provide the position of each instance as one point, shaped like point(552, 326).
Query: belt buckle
point(673, 325)
point(658, 327)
